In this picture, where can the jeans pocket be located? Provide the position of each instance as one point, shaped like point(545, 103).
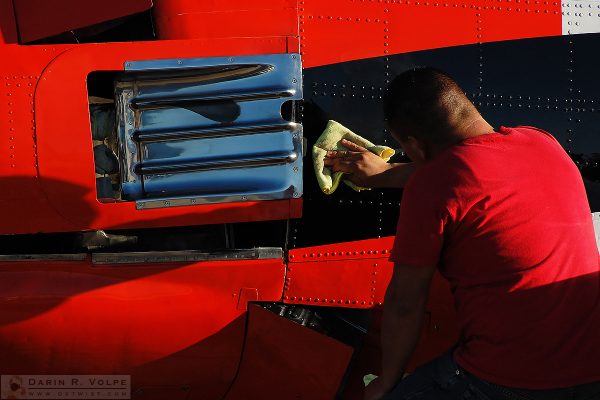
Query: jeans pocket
point(496, 392)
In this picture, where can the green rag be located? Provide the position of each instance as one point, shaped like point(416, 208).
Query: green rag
point(329, 140)
point(368, 379)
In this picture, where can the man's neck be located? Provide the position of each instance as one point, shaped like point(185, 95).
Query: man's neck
point(475, 127)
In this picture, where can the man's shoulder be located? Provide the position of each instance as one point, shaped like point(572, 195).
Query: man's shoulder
point(529, 131)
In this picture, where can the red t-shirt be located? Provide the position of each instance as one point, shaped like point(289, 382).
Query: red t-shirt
point(505, 218)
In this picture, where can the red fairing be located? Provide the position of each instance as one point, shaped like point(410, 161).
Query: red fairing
point(168, 325)
point(38, 19)
point(342, 30)
point(50, 166)
point(280, 361)
point(189, 19)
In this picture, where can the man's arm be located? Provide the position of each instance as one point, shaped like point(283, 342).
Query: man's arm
point(403, 313)
point(366, 169)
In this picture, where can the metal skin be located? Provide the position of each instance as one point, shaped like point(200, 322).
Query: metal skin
point(50, 177)
point(175, 327)
point(182, 329)
point(38, 19)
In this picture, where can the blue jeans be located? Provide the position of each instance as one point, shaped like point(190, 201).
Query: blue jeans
point(443, 379)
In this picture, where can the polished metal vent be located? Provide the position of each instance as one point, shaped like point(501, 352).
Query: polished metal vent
point(208, 130)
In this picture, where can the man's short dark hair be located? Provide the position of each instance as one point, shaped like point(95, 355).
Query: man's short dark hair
point(425, 103)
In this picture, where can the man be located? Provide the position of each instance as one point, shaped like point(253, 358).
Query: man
point(504, 216)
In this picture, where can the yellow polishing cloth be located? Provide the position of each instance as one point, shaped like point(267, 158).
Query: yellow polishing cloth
point(329, 140)
point(368, 379)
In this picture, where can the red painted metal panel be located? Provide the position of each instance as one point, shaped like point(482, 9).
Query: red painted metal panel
point(25, 207)
point(344, 30)
point(187, 19)
point(421, 25)
point(38, 19)
point(168, 325)
point(284, 360)
point(8, 26)
point(171, 7)
point(352, 274)
point(54, 138)
point(526, 20)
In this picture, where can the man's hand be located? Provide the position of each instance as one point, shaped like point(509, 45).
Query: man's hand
point(374, 390)
point(362, 166)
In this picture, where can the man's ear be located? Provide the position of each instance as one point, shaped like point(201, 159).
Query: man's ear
point(418, 149)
